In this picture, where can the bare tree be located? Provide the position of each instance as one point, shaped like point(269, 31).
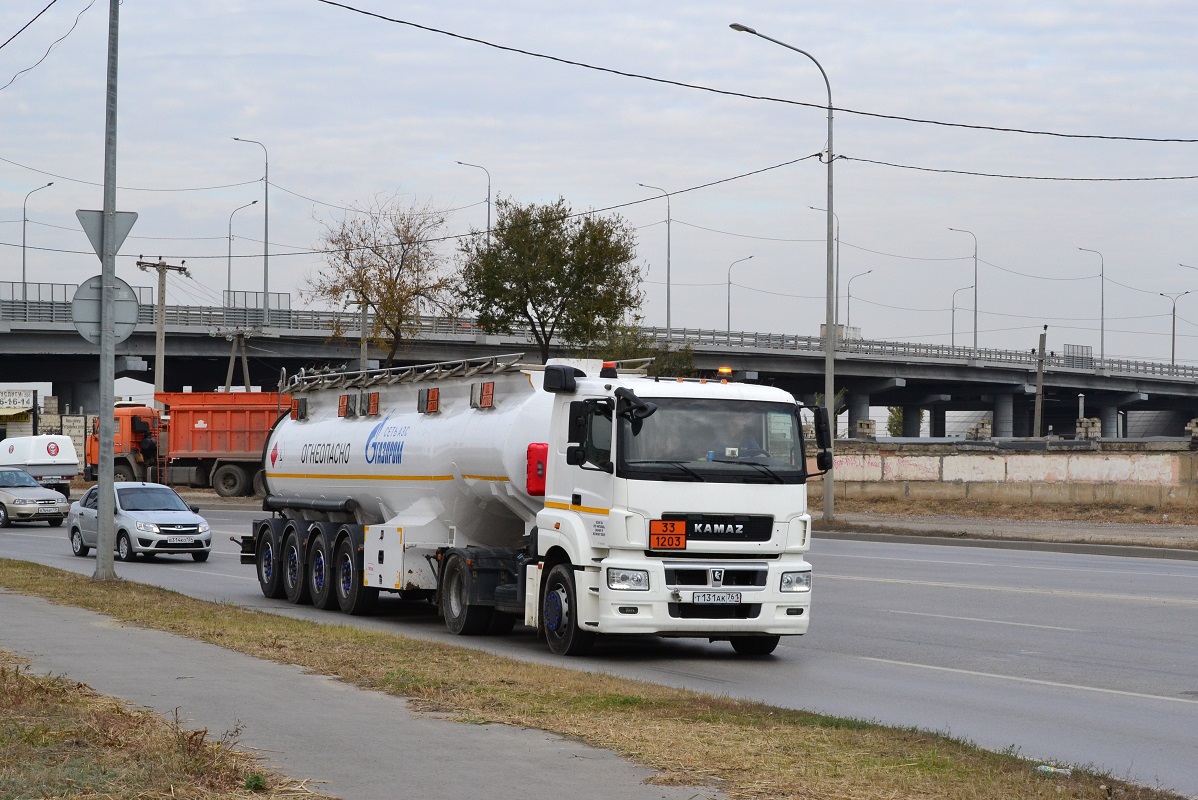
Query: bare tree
point(386, 254)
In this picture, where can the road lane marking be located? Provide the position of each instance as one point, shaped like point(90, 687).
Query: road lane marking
point(210, 572)
point(1181, 601)
point(1035, 681)
point(991, 621)
point(1112, 571)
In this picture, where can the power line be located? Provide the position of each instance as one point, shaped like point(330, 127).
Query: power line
point(744, 95)
point(124, 188)
point(48, 49)
point(1018, 177)
point(27, 24)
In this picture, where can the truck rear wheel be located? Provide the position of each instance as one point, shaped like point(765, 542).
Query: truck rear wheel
point(321, 573)
point(270, 572)
point(229, 480)
point(353, 597)
point(559, 613)
point(754, 645)
point(295, 577)
point(123, 472)
point(460, 617)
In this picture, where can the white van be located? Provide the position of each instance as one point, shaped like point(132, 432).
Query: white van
point(51, 459)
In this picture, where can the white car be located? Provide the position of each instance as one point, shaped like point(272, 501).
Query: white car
point(151, 519)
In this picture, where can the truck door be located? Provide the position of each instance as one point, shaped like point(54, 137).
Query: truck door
point(592, 480)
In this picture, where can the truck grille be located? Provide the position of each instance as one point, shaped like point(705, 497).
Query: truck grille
point(726, 527)
point(690, 577)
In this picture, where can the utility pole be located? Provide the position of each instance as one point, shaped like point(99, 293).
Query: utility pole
point(160, 319)
point(1039, 386)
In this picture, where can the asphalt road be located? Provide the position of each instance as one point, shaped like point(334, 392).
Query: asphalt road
point(1072, 658)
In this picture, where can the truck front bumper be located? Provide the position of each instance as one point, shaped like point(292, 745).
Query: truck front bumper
point(706, 598)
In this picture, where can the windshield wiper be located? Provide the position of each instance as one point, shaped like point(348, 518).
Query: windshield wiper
point(760, 467)
point(679, 464)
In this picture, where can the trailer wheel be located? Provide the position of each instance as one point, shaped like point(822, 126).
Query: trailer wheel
point(460, 617)
point(321, 573)
point(560, 614)
point(229, 480)
point(754, 645)
point(295, 577)
point(270, 567)
point(353, 597)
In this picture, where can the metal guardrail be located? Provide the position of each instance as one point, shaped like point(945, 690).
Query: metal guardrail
point(52, 306)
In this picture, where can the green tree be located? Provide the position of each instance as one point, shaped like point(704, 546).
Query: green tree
point(894, 420)
point(559, 276)
point(385, 254)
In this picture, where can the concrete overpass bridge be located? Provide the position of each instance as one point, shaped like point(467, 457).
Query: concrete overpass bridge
point(38, 342)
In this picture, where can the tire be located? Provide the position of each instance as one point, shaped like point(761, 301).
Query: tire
point(77, 545)
point(123, 472)
point(200, 555)
point(124, 548)
point(295, 577)
point(559, 613)
point(54, 523)
point(352, 597)
point(230, 480)
point(321, 572)
point(270, 572)
point(754, 645)
point(4, 520)
point(461, 618)
point(260, 483)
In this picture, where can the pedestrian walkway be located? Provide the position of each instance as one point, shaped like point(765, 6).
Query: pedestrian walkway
point(346, 742)
point(1180, 540)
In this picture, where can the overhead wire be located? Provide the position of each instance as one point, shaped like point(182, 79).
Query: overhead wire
point(27, 24)
point(48, 49)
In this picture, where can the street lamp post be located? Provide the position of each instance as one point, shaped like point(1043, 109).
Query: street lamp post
point(830, 311)
point(1101, 305)
point(730, 266)
point(975, 283)
point(1173, 347)
point(953, 339)
point(24, 224)
point(484, 169)
point(265, 233)
point(669, 327)
point(835, 217)
point(229, 269)
point(848, 307)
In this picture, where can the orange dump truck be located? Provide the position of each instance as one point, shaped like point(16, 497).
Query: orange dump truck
point(201, 439)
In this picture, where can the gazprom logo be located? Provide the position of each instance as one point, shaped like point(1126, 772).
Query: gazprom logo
point(383, 445)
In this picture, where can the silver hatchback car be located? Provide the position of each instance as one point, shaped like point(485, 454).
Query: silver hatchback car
point(151, 519)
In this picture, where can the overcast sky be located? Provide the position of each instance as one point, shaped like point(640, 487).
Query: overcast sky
point(353, 107)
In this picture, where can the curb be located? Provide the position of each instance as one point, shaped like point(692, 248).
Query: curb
point(946, 538)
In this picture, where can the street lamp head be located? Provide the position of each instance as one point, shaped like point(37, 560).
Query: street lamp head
point(736, 26)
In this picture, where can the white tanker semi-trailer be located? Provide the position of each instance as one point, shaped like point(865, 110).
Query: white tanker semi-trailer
point(581, 504)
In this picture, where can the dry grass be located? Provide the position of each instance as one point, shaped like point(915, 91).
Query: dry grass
point(748, 749)
point(60, 739)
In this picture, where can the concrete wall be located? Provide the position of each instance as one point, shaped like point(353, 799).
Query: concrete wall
point(1128, 473)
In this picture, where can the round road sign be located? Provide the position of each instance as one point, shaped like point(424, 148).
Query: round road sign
point(85, 309)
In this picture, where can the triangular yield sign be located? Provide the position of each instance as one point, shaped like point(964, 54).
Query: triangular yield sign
point(93, 226)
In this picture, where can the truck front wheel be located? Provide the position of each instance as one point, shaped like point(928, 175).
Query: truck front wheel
point(754, 645)
point(560, 614)
point(229, 480)
point(460, 617)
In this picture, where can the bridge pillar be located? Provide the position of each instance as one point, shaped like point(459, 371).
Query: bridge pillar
point(1109, 416)
point(938, 425)
point(912, 416)
point(858, 403)
point(78, 395)
point(1004, 415)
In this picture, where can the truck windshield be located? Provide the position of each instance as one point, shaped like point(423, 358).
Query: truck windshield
point(690, 439)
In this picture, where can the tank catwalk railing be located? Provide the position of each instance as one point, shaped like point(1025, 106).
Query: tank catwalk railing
point(51, 304)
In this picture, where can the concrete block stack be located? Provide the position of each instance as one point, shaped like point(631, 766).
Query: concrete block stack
point(867, 429)
point(1088, 428)
point(979, 431)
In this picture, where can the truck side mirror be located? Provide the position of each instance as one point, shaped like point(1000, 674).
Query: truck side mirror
point(576, 455)
point(823, 438)
point(823, 461)
point(561, 378)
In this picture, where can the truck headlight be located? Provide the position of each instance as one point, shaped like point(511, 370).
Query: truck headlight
point(148, 527)
point(636, 580)
point(796, 581)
